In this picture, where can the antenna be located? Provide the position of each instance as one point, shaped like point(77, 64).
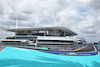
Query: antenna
point(18, 8)
point(55, 18)
point(16, 18)
point(16, 21)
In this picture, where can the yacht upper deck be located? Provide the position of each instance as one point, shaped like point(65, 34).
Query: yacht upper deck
point(42, 31)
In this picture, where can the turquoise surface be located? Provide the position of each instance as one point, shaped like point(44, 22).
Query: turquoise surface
point(18, 57)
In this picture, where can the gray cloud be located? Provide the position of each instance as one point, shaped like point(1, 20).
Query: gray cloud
point(95, 4)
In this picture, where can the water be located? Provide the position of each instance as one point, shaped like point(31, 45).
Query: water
point(18, 57)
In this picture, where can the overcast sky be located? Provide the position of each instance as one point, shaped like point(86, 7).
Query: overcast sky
point(81, 16)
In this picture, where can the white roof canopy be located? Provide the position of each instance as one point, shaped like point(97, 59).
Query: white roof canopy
point(42, 29)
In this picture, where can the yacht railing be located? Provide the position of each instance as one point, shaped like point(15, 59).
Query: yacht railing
point(55, 43)
point(16, 43)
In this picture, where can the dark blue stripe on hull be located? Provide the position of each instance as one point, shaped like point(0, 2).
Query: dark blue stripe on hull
point(74, 53)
